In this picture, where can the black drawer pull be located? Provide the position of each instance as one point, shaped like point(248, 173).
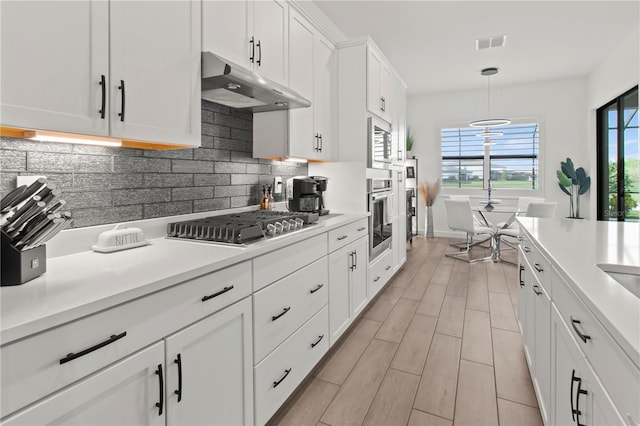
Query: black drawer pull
point(387, 268)
point(362, 229)
point(578, 412)
point(253, 49)
point(275, 317)
point(178, 392)
point(520, 276)
point(314, 344)
point(71, 356)
point(342, 238)
point(259, 46)
point(534, 288)
point(286, 373)
point(103, 103)
point(526, 249)
point(160, 404)
point(121, 87)
point(223, 291)
point(583, 337)
point(376, 278)
point(316, 289)
point(538, 267)
point(574, 378)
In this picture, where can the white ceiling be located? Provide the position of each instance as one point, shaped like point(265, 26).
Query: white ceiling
point(431, 44)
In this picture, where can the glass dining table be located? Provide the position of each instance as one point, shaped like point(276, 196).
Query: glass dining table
point(482, 211)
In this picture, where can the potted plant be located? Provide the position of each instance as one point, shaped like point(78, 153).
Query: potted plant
point(410, 141)
point(573, 182)
point(429, 192)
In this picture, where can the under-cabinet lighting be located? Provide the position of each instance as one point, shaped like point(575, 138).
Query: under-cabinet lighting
point(68, 138)
point(296, 160)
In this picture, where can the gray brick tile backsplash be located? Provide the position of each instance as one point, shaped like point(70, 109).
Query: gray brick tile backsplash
point(211, 179)
point(212, 204)
point(167, 209)
point(13, 161)
point(99, 216)
point(196, 193)
point(108, 185)
point(230, 190)
point(191, 166)
point(168, 180)
point(122, 197)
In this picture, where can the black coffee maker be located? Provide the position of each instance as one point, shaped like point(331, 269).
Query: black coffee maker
point(304, 194)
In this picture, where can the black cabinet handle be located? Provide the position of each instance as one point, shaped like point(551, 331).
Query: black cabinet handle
point(534, 288)
point(342, 237)
point(574, 378)
point(317, 144)
point(286, 373)
point(578, 412)
point(384, 104)
point(319, 286)
point(284, 311)
point(353, 260)
point(71, 356)
point(160, 404)
point(520, 276)
point(582, 336)
point(526, 249)
point(178, 392)
point(376, 279)
point(253, 49)
point(538, 267)
point(103, 84)
point(321, 142)
point(259, 45)
point(381, 103)
point(223, 291)
point(122, 101)
point(314, 344)
point(362, 229)
point(387, 268)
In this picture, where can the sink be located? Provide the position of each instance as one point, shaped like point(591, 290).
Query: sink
point(628, 276)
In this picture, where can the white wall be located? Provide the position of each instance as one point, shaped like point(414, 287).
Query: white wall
point(560, 107)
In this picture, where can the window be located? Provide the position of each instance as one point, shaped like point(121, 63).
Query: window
point(618, 168)
point(510, 162)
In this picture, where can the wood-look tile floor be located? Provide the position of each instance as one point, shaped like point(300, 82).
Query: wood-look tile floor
point(439, 346)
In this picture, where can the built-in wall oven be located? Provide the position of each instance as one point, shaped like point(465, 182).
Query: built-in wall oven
point(379, 146)
point(381, 208)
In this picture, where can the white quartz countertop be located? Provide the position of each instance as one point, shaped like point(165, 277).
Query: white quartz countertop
point(84, 283)
point(575, 247)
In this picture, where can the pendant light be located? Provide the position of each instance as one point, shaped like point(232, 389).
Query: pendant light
point(489, 122)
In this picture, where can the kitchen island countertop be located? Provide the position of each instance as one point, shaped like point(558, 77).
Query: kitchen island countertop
point(87, 282)
point(575, 247)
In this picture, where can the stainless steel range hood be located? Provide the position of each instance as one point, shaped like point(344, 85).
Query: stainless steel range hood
point(229, 84)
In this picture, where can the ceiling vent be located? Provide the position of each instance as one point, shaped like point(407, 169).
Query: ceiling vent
point(492, 41)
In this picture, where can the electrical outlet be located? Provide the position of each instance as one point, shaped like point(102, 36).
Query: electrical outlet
point(27, 180)
point(277, 185)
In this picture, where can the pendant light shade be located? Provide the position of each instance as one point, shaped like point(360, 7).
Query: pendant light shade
point(489, 122)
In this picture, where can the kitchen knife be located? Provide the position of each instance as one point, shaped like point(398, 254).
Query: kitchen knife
point(22, 210)
point(34, 231)
point(27, 215)
point(49, 232)
point(29, 191)
point(7, 201)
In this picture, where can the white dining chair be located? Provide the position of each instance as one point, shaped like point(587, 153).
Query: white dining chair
point(460, 218)
point(461, 244)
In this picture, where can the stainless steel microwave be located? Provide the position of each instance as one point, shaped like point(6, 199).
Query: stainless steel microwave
point(379, 144)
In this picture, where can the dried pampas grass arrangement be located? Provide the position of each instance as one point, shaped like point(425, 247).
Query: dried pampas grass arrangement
point(429, 191)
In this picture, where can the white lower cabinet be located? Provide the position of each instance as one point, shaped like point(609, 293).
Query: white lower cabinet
point(209, 378)
point(380, 270)
point(129, 392)
point(282, 370)
point(579, 397)
point(347, 285)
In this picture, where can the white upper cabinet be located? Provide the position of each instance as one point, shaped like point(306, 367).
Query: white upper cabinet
point(103, 68)
point(380, 87)
point(52, 68)
point(249, 33)
point(303, 132)
point(155, 73)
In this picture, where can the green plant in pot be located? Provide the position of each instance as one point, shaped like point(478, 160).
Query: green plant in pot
point(410, 140)
point(573, 182)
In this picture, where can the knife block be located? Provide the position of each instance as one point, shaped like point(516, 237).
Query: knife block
point(18, 267)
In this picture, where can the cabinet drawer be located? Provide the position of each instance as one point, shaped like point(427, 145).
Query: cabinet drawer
point(618, 374)
point(284, 306)
point(36, 366)
point(280, 263)
point(379, 273)
point(283, 370)
point(540, 266)
point(344, 235)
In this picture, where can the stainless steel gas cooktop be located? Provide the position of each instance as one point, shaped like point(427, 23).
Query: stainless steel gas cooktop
point(241, 228)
